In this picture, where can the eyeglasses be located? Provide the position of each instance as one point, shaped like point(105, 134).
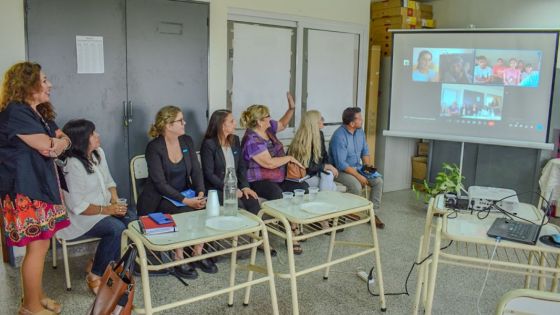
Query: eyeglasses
point(182, 121)
point(267, 116)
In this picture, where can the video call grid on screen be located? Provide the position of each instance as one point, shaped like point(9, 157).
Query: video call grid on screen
point(474, 84)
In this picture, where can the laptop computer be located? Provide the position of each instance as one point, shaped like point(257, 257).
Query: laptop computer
point(517, 231)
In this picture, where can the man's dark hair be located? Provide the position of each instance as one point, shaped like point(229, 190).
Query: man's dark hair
point(349, 114)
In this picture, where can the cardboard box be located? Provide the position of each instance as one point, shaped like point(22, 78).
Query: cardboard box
point(426, 7)
point(380, 33)
point(395, 3)
point(387, 52)
point(428, 23)
point(419, 168)
point(375, 14)
point(403, 20)
point(426, 15)
point(423, 148)
point(386, 48)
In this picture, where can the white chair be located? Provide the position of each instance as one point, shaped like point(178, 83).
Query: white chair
point(64, 243)
point(529, 302)
point(138, 170)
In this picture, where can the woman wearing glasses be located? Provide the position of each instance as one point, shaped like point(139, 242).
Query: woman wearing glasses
point(173, 167)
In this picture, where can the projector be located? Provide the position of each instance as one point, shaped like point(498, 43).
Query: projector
point(481, 198)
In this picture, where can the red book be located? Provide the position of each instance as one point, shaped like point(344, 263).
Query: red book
point(150, 227)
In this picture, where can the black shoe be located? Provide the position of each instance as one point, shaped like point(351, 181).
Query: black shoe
point(186, 271)
point(207, 266)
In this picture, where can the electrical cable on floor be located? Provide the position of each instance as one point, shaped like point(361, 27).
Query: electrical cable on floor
point(486, 277)
point(370, 276)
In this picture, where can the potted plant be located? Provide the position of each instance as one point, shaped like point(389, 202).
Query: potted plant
point(448, 180)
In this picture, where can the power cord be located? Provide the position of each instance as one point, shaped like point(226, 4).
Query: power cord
point(498, 239)
point(370, 275)
point(483, 214)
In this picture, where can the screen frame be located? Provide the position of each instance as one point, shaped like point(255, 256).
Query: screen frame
point(498, 141)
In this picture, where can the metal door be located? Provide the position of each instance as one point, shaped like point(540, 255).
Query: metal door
point(52, 27)
point(167, 64)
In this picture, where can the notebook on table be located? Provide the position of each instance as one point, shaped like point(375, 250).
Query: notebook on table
point(149, 226)
point(517, 231)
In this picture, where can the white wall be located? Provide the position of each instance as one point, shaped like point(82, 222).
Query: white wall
point(497, 13)
point(12, 34)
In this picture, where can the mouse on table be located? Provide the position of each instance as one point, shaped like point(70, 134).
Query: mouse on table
point(555, 238)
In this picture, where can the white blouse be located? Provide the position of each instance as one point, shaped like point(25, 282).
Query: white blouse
point(85, 189)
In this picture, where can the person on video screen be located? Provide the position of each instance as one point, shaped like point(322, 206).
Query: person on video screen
point(512, 75)
point(498, 71)
point(455, 72)
point(482, 72)
point(424, 71)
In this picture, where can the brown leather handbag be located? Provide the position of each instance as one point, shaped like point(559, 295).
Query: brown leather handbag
point(294, 171)
point(116, 292)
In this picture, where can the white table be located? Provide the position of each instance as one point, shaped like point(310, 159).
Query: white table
point(473, 248)
point(353, 210)
point(249, 235)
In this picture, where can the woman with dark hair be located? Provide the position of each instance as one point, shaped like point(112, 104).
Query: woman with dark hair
point(424, 71)
point(30, 196)
point(173, 168)
point(92, 198)
point(220, 150)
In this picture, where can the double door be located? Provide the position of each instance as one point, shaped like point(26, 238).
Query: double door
point(155, 53)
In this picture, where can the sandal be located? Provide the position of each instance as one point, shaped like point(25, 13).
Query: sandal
point(297, 232)
point(298, 250)
point(51, 305)
point(93, 283)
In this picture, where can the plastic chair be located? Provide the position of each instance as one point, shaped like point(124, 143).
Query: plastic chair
point(527, 302)
point(138, 170)
point(64, 243)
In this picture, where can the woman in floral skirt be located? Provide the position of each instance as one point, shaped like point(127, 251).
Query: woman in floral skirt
point(31, 200)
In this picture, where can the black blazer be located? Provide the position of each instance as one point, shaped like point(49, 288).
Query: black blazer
point(214, 164)
point(317, 168)
point(159, 167)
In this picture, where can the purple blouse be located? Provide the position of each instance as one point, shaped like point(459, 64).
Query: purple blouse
point(254, 144)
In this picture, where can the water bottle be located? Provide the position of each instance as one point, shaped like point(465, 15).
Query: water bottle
point(230, 192)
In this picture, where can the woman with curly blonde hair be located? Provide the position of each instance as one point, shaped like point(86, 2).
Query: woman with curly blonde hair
point(32, 205)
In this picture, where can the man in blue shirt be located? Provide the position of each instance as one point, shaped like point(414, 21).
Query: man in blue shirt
point(349, 150)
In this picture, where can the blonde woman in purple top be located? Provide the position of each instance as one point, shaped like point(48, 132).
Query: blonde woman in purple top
point(264, 153)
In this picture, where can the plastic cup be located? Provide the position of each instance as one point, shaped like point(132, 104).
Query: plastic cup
point(122, 201)
point(287, 197)
point(313, 193)
point(298, 195)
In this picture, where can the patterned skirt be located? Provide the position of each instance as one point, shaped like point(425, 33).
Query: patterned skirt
point(27, 220)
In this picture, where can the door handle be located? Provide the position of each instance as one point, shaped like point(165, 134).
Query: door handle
point(129, 116)
point(125, 114)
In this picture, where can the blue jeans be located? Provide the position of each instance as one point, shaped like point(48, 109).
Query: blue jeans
point(109, 248)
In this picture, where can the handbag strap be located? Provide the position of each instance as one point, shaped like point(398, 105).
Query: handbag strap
point(126, 260)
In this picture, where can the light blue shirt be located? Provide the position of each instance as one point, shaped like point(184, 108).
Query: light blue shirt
point(347, 149)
